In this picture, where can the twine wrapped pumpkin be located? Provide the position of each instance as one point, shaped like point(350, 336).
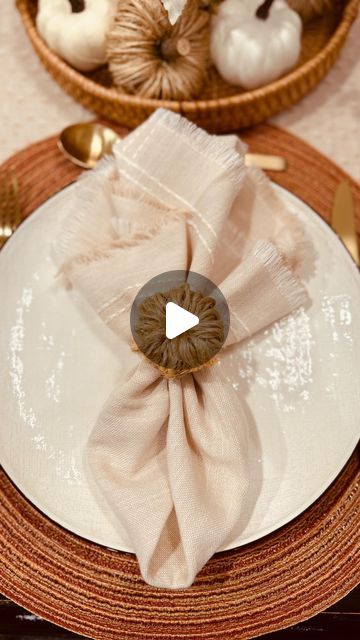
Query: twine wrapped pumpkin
point(149, 57)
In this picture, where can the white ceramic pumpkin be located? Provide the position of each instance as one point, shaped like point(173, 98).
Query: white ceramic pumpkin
point(78, 38)
point(254, 42)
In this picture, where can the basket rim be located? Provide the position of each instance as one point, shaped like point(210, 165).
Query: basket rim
point(350, 11)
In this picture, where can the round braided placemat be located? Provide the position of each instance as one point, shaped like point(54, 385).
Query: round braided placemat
point(283, 578)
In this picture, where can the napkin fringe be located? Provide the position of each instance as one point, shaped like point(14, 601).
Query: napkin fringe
point(290, 287)
point(87, 187)
point(131, 234)
point(211, 146)
point(291, 240)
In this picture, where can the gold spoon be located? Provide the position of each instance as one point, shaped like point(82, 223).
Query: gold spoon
point(86, 143)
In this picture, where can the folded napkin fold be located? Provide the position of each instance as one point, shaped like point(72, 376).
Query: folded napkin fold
point(170, 458)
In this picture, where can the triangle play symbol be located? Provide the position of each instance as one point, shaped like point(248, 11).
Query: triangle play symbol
point(178, 320)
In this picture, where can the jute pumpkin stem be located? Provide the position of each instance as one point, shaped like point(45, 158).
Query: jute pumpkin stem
point(172, 48)
point(77, 5)
point(263, 11)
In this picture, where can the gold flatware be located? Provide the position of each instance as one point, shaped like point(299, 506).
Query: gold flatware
point(86, 143)
point(343, 219)
point(265, 161)
point(10, 213)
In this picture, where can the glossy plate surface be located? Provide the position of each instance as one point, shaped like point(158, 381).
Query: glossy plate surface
point(300, 382)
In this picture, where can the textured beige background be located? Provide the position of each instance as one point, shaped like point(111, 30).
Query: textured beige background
point(32, 106)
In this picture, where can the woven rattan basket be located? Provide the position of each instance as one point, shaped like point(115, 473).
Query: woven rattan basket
point(222, 107)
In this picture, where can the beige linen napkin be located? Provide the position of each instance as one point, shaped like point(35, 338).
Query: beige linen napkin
point(170, 458)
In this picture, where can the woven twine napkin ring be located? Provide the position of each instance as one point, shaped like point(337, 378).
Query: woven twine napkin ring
point(189, 352)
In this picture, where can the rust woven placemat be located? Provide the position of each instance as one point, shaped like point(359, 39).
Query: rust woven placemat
point(283, 578)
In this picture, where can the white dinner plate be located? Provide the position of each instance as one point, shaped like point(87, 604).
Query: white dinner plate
point(300, 382)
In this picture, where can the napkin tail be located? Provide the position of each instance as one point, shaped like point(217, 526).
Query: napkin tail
point(181, 500)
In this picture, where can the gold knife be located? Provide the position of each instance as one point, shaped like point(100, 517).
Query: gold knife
point(343, 219)
point(265, 161)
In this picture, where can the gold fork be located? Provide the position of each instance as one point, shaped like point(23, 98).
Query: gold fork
point(10, 213)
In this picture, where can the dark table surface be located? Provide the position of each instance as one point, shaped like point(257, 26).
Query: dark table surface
point(342, 621)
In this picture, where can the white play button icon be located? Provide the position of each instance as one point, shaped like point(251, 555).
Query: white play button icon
point(178, 320)
point(167, 333)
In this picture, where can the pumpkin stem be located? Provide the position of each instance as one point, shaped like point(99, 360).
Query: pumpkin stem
point(262, 12)
point(171, 48)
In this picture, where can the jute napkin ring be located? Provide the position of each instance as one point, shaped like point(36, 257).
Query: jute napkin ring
point(186, 353)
